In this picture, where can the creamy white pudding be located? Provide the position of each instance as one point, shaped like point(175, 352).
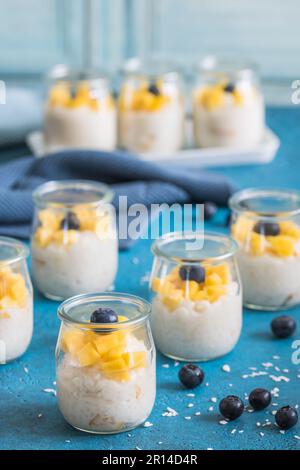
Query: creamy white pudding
point(151, 118)
point(106, 380)
point(16, 315)
point(80, 119)
point(74, 244)
point(228, 119)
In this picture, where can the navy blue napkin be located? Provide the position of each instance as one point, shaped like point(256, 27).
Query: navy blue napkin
point(142, 182)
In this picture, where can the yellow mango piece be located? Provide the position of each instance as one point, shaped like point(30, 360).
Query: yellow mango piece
point(123, 376)
point(50, 219)
point(241, 229)
point(73, 340)
point(59, 95)
point(257, 244)
point(104, 342)
point(173, 301)
point(113, 353)
point(290, 229)
point(3, 284)
point(192, 288)
point(136, 359)
point(167, 288)
point(43, 236)
point(115, 365)
point(17, 289)
point(238, 97)
point(282, 245)
point(122, 318)
point(212, 97)
point(156, 284)
point(88, 355)
point(215, 292)
point(221, 270)
point(213, 279)
point(201, 295)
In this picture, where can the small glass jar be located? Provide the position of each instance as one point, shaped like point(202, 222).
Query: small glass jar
point(80, 112)
point(151, 111)
point(16, 300)
point(106, 379)
point(228, 106)
point(74, 242)
point(197, 299)
point(266, 225)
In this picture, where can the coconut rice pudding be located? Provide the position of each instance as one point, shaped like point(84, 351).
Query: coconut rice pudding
point(105, 363)
point(80, 113)
point(197, 306)
point(151, 113)
point(74, 243)
point(266, 225)
point(16, 302)
point(228, 108)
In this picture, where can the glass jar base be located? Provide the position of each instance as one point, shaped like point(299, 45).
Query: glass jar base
point(119, 431)
point(270, 309)
point(194, 359)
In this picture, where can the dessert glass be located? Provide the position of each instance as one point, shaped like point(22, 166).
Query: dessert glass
point(16, 300)
point(80, 112)
point(74, 242)
point(106, 379)
point(228, 106)
point(197, 300)
point(266, 225)
point(151, 112)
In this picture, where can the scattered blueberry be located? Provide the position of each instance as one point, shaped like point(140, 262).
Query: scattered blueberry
point(191, 375)
point(231, 407)
point(104, 315)
point(260, 398)
point(267, 228)
point(286, 417)
point(283, 326)
point(210, 210)
point(229, 88)
point(70, 222)
point(192, 273)
point(153, 88)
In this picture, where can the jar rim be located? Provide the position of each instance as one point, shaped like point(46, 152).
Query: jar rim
point(62, 72)
point(243, 69)
point(134, 67)
point(84, 185)
point(82, 299)
point(237, 202)
point(158, 247)
point(21, 250)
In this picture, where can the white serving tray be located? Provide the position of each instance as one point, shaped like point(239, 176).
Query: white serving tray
point(260, 154)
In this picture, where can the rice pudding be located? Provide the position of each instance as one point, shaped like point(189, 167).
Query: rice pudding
point(80, 114)
point(269, 254)
point(106, 372)
point(228, 110)
point(151, 115)
point(16, 302)
point(75, 246)
point(197, 307)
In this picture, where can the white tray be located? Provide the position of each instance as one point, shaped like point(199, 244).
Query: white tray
point(260, 154)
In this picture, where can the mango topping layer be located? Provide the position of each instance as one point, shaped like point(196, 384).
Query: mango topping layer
point(105, 351)
point(174, 290)
point(213, 96)
point(61, 95)
point(59, 227)
point(13, 291)
point(285, 243)
point(147, 98)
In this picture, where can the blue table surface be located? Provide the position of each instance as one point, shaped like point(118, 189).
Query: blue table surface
point(22, 399)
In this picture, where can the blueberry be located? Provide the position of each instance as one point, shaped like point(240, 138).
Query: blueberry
point(229, 88)
point(192, 273)
point(286, 417)
point(231, 407)
point(153, 88)
point(70, 222)
point(260, 398)
point(191, 375)
point(104, 315)
point(210, 209)
point(267, 228)
point(283, 326)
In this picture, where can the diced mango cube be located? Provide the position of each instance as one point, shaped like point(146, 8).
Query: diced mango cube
point(257, 244)
point(166, 288)
point(221, 270)
point(192, 288)
point(43, 236)
point(104, 342)
point(215, 292)
point(242, 228)
point(201, 295)
point(282, 245)
point(72, 340)
point(113, 353)
point(50, 219)
point(88, 355)
point(213, 279)
point(114, 365)
point(136, 359)
point(290, 229)
point(156, 284)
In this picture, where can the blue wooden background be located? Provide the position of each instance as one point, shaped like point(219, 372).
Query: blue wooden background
point(37, 34)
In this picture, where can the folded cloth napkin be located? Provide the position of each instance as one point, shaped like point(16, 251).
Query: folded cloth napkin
point(142, 182)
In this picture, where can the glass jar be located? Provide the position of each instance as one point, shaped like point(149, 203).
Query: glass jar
point(74, 243)
point(228, 106)
point(151, 111)
point(80, 112)
point(106, 380)
point(266, 225)
point(16, 300)
point(197, 299)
